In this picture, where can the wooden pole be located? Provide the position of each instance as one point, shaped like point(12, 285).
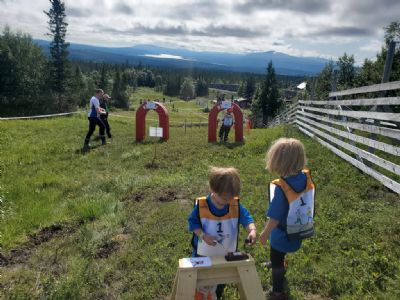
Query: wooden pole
point(385, 78)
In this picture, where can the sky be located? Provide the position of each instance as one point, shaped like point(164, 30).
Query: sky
point(325, 29)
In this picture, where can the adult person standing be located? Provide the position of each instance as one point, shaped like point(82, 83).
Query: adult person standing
point(94, 119)
point(226, 125)
point(104, 116)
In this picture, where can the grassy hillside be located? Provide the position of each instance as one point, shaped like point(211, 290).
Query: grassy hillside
point(108, 225)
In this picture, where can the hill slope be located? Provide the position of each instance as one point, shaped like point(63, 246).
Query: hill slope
point(106, 225)
point(181, 58)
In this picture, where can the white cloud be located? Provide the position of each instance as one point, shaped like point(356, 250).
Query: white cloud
point(372, 46)
point(306, 27)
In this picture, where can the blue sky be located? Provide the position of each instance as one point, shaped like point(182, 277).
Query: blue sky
point(302, 28)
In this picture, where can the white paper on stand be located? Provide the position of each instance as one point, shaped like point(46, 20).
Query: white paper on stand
point(196, 262)
point(156, 131)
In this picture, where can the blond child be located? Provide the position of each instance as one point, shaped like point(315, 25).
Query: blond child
point(291, 207)
point(215, 218)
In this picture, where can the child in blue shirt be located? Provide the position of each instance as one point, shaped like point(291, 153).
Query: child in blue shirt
point(215, 218)
point(286, 157)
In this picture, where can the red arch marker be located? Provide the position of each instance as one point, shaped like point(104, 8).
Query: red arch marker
point(212, 122)
point(163, 120)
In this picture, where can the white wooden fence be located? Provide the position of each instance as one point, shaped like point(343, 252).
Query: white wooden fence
point(355, 129)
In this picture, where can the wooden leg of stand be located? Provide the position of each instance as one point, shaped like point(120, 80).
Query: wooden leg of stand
point(173, 295)
point(250, 284)
point(241, 291)
point(186, 286)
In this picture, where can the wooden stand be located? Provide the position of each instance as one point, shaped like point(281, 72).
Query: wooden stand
point(242, 272)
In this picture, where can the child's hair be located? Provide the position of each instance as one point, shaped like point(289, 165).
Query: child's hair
point(224, 181)
point(286, 157)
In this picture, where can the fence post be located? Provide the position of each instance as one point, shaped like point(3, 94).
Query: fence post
point(313, 87)
point(344, 118)
point(385, 78)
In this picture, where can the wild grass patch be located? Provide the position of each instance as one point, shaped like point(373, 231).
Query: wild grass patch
point(124, 225)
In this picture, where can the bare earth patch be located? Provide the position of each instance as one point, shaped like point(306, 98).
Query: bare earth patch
point(167, 196)
point(22, 253)
point(161, 196)
point(137, 197)
point(107, 249)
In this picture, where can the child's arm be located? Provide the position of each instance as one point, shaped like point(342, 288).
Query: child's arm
point(248, 222)
point(269, 226)
point(252, 233)
point(195, 227)
point(209, 239)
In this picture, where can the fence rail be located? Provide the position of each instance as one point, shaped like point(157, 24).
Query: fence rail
point(41, 116)
point(388, 86)
point(350, 129)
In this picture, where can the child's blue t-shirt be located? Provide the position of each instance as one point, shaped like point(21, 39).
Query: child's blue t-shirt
point(194, 221)
point(278, 209)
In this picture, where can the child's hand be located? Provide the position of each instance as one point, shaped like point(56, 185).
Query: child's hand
point(263, 237)
point(209, 239)
point(252, 237)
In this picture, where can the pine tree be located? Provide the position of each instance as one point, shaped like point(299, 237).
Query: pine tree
point(173, 85)
point(116, 88)
point(266, 100)
point(368, 74)
point(119, 94)
point(187, 89)
point(240, 90)
point(158, 83)
point(324, 82)
point(103, 78)
point(129, 78)
point(141, 78)
point(59, 69)
point(346, 71)
point(392, 32)
point(150, 79)
point(250, 88)
point(78, 87)
point(201, 88)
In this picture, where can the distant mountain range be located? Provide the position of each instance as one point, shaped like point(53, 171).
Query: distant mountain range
point(181, 58)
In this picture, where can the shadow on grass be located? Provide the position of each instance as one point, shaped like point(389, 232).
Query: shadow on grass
point(150, 141)
point(229, 145)
point(87, 150)
point(152, 165)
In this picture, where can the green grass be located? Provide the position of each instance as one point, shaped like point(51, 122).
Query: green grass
point(179, 111)
point(122, 224)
